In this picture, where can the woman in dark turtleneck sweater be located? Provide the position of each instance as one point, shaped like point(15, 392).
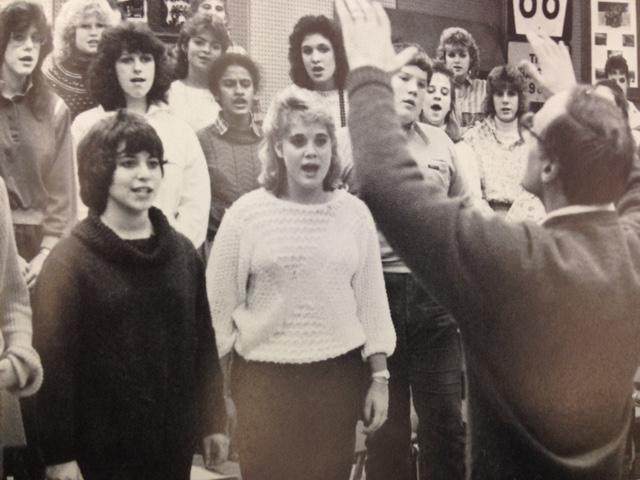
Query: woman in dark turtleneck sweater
point(122, 322)
point(78, 29)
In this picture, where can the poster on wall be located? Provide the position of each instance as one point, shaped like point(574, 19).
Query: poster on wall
point(614, 28)
point(134, 10)
point(173, 13)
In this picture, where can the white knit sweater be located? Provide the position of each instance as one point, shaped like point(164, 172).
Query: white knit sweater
point(294, 283)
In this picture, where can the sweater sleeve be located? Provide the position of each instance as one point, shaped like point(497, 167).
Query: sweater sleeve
point(56, 330)
point(629, 205)
point(15, 309)
point(195, 200)
point(59, 181)
point(211, 401)
point(226, 286)
point(370, 294)
point(463, 258)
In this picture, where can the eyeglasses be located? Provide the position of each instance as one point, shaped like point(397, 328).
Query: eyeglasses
point(21, 38)
point(526, 123)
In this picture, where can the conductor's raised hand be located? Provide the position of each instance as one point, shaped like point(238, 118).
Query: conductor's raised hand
point(557, 72)
point(367, 36)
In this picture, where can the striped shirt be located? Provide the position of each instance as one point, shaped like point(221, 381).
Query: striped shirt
point(469, 98)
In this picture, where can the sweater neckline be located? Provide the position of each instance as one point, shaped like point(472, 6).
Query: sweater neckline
point(337, 197)
point(107, 243)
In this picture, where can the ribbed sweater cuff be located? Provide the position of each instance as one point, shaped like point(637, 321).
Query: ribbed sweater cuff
point(363, 76)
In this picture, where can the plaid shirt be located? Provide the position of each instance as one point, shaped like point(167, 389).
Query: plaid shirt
point(222, 126)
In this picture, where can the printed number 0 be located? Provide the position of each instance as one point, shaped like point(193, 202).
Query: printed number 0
point(546, 11)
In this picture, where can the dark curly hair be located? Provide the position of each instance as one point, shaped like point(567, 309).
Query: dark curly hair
point(457, 37)
point(201, 22)
point(98, 150)
point(130, 37)
point(501, 78)
point(17, 17)
point(224, 61)
point(308, 25)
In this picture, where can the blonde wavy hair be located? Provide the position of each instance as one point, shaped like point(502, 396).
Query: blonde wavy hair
point(291, 101)
point(70, 17)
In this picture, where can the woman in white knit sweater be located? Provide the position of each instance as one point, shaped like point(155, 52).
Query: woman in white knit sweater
point(297, 298)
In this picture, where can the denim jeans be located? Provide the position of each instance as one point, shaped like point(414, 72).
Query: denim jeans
point(427, 364)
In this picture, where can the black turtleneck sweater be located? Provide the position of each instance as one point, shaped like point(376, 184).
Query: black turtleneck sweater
point(124, 332)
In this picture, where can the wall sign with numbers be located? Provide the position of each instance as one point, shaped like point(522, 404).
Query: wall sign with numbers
point(552, 17)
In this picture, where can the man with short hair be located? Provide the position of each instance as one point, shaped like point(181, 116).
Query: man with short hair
point(426, 366)
point(548, 313)
point(617, 69)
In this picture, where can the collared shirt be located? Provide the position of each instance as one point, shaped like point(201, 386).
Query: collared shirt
point(26, 89)
point(469, 99)
point(222, 126)
point(578, 209)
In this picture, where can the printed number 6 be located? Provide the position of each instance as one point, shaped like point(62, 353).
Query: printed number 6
point(531, 12)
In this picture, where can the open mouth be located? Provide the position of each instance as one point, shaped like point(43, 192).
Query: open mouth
point(409, 102)
point(436, 108)
point(142, 190)
point(310, 168)
point(137, 80)
point(240, 102)
point(27, 58)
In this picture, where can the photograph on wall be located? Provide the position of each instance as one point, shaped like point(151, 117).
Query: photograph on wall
point(173, 13)
point(134, 10)
point(601, 38)
point(613, 14)
point(614, 28)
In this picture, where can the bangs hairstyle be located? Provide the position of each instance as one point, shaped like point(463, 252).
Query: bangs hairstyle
point(459, 38)
point(452, 127)
point(98, 151)
point(17, 17)
point(505, 78)
point(291, 101)
point(308, 25)
point(201, 22)
point(133, 38)
point(616, 63)
point(71, 15)
point(594, 165)
point(226, 60)
point(420, 59)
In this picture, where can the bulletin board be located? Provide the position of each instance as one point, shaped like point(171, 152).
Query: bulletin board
point(614, 31)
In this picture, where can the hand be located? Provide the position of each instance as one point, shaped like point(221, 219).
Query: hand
point(376, 406)
point(34, 268)
point(216, 449)
point(557, 72)
point(64, 471)
point(8, 377)
point(367, 36)
point(23, 265)
point(232, 415)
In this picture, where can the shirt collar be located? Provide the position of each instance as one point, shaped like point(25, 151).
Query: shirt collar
point(576, 210)
point(222, 126)
point(27, 87)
